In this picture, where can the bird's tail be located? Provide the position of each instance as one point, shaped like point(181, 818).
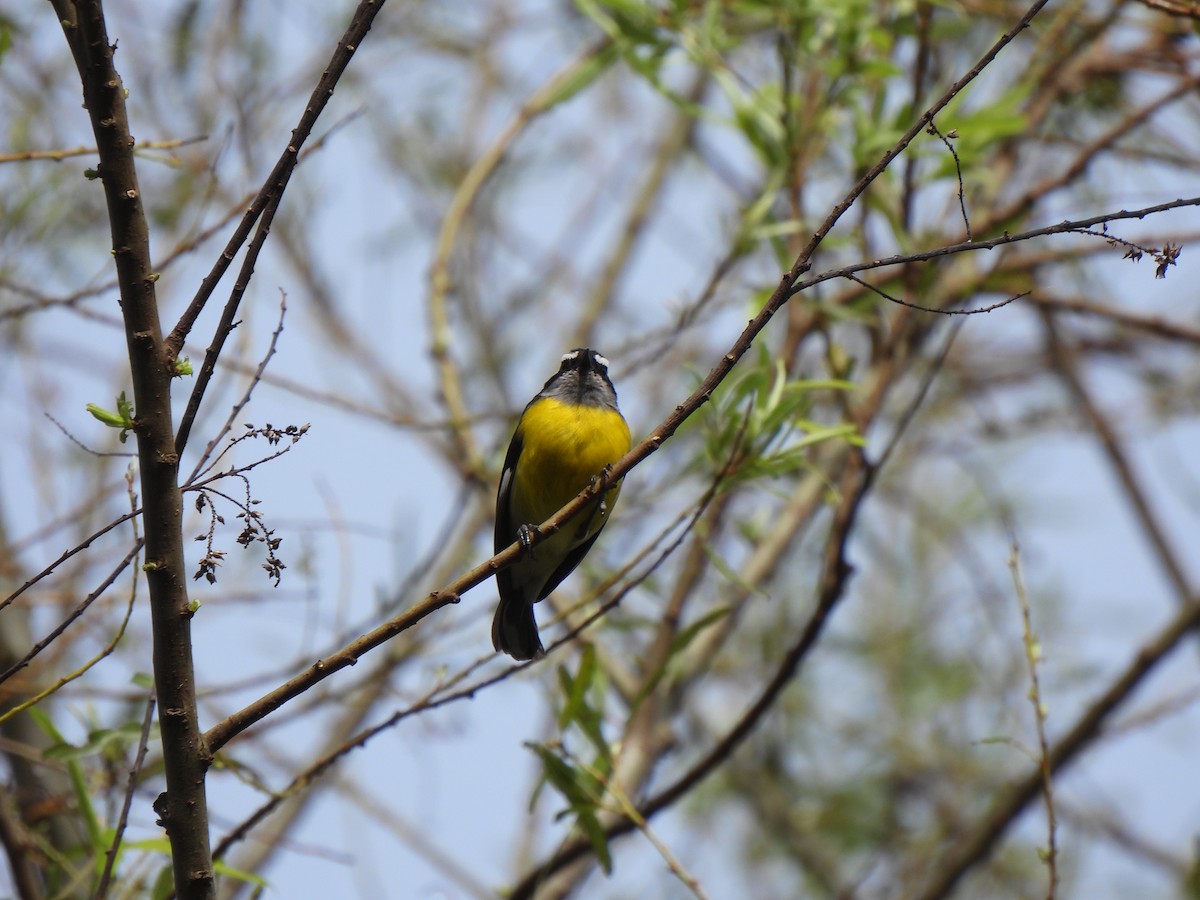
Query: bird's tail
point(515, 631)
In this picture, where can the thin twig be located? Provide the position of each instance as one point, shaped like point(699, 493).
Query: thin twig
point(60, 155)
point(67, 554)
point(73, 616)
point(1033, 655)
point(930, 309)
point(977, 845)
point(127, 802)
point(84, 447)
point(236, 409)
point(258, 217)
point(1075, 226)
point(962, 203)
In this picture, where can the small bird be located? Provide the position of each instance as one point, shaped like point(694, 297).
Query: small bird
point(565, 437)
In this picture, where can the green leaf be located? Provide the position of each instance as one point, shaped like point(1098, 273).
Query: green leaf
point(222, 868)
point(775, 431)
point(591, 826)
point(112, 420)
point(122, 418)
point(143, 680)
point(577, 707)
point(632, 21)
point(164, 884)
point(816, 434)
point(78, 786)
point(6, 36)
point(689, 634)
point(578, 788)
point(730, 573)
point(582, 792)
point(98, 741)
point(583, 77)
point(154, 845)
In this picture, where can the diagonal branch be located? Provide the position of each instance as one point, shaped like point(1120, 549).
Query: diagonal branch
point(788, 286)
point(802, 263)
point(855, 482)
point(263, 208)
point(979, 844)
point(1062, 357)
point(348, 655)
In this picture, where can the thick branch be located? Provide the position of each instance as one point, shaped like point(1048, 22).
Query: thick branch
point(150, 360)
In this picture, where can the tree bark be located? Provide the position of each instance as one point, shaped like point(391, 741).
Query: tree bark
point(183, 811)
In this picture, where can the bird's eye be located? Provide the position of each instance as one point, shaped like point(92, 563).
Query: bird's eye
point(601, 361)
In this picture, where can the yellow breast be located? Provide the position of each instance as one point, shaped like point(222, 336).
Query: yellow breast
point(563, 446)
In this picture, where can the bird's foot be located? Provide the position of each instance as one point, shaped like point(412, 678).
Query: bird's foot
point(526, 535)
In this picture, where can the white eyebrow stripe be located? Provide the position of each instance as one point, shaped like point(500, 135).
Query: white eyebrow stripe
point(567, 357)
point(600, 359)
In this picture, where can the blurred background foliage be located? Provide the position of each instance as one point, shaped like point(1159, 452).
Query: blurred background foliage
point(496, 183)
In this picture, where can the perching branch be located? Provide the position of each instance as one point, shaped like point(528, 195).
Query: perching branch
point(348, 655)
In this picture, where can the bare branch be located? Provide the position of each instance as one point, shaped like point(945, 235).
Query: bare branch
point(151, 365)
point(123, 818)
point(263, 207)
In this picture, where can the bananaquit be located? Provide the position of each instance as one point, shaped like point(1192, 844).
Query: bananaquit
point(566, 435)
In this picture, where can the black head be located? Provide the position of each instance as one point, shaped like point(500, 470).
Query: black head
point(582, 378)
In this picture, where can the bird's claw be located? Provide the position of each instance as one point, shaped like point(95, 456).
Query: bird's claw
point(525, 535)
point(600, 477)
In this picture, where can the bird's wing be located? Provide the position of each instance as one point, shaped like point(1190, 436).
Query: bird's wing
point(506, 528)
point(575, 556)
